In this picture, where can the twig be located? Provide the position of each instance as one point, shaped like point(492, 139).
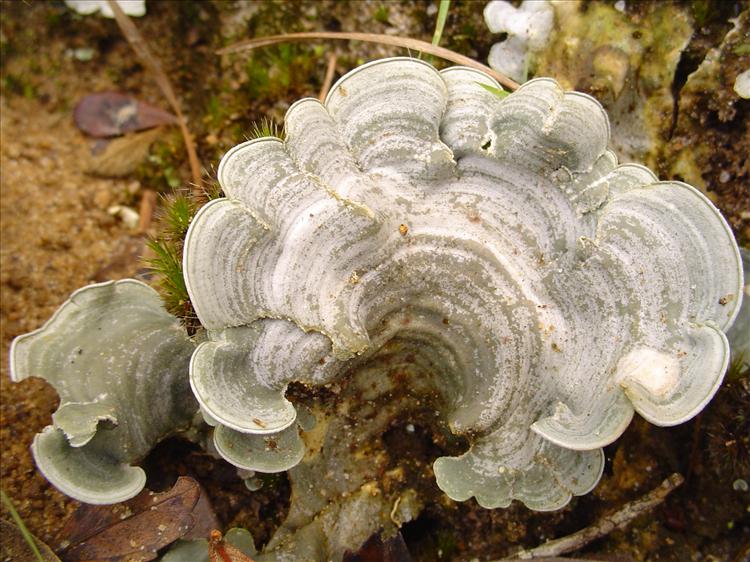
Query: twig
point(606, 524)
point(330, 71)
point(553, 559)
point(146, 211)
point(405, 42)
point(138, 44)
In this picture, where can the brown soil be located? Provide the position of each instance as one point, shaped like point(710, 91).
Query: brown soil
point(57, 236)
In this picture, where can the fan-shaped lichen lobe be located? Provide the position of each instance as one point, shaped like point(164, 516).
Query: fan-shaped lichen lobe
point(113, 353)
point(523, 245)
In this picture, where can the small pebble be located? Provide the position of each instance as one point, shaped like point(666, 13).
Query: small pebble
point(127, 215)
point(724, 176)
point(134, 187)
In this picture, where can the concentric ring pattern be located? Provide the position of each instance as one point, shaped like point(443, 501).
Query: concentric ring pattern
point(546, 292)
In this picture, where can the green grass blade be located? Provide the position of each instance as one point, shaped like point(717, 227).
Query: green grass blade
point(28, 537)
point(440, 24)
point(499, 92)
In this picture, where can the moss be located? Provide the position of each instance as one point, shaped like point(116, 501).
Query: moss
point(18, 85)
point(167, 264)
point(165, 165)
point(381, 14)
point(177, 211)
point(266, 128)
point(273, 71)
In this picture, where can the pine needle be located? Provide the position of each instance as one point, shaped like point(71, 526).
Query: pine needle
point(138, 44)
point(404, 42)
point(328, 80)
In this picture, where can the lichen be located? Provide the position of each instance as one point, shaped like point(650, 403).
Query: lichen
point(522, 234)
point(117, 359)
point(417, 247)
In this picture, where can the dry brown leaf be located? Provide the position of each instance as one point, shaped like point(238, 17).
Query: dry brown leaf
point(139, 45)
point(110, 114)
point(121, 156)
point(135, 530)
point(13, 546)
point(205, 520)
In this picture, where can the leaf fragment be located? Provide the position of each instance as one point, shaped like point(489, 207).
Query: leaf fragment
point(15, 545)
point(110, 114)
point(135, 530)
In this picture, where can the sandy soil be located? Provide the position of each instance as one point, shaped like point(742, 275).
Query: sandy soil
point(56, 236)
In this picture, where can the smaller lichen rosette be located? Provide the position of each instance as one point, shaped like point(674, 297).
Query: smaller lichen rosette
point(494, 246)
point(118, 361)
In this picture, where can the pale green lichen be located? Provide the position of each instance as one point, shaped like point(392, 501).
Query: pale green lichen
point(499, 232)
point(415, 246)
point(628, 62)
point(118, 361)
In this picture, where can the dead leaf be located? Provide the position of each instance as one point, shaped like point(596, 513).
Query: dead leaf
point(393, 549)
point(220, 550)
point(110, 114)
point(138, 43)
point(133, 531)
point(146, 211)
point(13, 545)
point(205, 520)
point(121, 156)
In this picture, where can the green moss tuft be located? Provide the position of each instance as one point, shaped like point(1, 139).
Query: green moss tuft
point(736, 369)
point(266, 128)
point(179, 210)
point(167, 265)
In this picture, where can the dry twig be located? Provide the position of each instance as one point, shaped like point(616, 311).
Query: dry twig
point(405, 42)
point(606, 524)
point(146, 212)
point(330, 70)
point(138, 44)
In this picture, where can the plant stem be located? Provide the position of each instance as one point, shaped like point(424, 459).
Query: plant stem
point(28, 537)
point(440, 24)
point(405, 42)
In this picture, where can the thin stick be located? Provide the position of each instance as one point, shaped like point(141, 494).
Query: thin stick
point(405, 42)
point(138, 44)
point(553, 559)
point(146, 211)
point(330, 71)
point(606, 524)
